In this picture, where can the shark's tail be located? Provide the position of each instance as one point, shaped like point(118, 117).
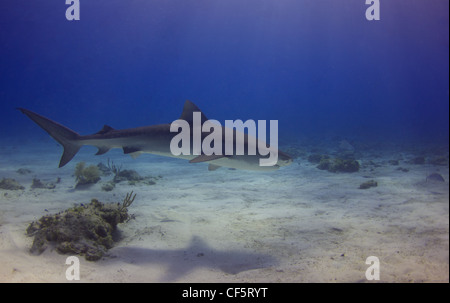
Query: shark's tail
point(65, 136)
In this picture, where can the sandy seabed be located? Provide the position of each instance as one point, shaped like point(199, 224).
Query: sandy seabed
point(297, 224)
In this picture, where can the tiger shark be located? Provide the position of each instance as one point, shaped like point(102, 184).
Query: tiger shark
point(153, 139)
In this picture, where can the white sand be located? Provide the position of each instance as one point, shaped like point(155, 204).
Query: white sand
point(298, 224)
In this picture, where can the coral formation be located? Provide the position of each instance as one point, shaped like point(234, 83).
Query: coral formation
point(84, 230)
point(39, 184)
point(394, 162)
point(339, 165)
point(417, 160)
point(86, 175)
point(441, 160)
point(316, 158)
point(127, 175)
point(109, 168)
point(348, 165)
point(120, 175)
point(435, 177)
point(108, 186)
point(10, 184)
point(133, 178)
point(23, 171)
point(368, 184)
point(405, 170)
point(104, 170)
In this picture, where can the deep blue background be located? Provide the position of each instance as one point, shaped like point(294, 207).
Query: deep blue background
point(318, 66)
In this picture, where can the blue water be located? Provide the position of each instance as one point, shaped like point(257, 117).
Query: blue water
point(319, 67)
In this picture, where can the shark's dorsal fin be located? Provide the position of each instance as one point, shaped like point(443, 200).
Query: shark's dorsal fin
point(188, 110)
point(104, 130)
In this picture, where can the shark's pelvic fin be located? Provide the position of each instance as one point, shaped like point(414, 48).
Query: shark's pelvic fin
point(65, 136)
point(102, 150)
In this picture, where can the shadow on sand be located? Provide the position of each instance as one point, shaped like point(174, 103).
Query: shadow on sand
point(197, 254)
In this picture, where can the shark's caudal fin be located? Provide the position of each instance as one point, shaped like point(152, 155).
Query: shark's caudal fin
point(65, 136)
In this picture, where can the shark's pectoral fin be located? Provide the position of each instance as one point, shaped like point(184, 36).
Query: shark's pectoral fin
point(102, 150)
point(212, 167)
point(204, 158)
